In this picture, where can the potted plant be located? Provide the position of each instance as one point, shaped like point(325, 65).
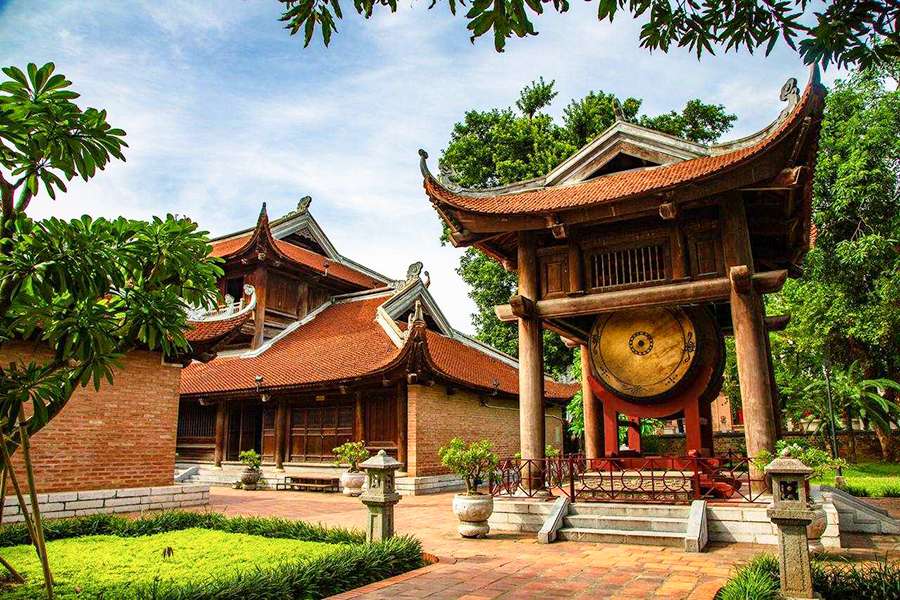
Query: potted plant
point(251, 475)
point(352, 453)
point(472, 463)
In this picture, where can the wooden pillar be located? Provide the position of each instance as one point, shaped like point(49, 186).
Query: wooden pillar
point(401, 422)
point(280, 414)
point(221, 421)
point(776, 396)
point(531, 359)
point(593, 418)
point(747, 316)
point(260, 276)
point(610, 430)
point(634, 434)
point(359, 428)
point(693, 438)
point(707, 445)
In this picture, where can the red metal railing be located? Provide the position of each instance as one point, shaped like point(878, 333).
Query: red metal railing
point(670, 479)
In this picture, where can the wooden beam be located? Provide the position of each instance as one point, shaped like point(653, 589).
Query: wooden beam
point(522, 307)
point(280, 413)
point(402, 423)
point(707, 290)
point(359, 432)
point(777, 322)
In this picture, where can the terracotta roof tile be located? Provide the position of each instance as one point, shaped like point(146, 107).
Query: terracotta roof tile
point(344, 342)
point(206, 331)
point(308, 258)
point(465, 364)
point(615, 186)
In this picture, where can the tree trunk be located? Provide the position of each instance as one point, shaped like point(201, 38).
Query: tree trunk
point(851, 435)
point(886, 441)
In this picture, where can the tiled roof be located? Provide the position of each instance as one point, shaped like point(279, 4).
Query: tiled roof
point(620, 185)
point(342, 343)
point(300, 255)
point(462, 363)
point(206, 331)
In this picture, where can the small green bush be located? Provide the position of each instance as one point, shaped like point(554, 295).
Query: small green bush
point(473, 462)
point(834, 580)
point(758, 580)
point(56, 529)
point(856, 490)
point(891, 492)
point(351, 453)
point(250, 459)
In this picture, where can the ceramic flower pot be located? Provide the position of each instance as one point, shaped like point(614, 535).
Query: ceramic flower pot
point(249, 478)
point(473, 513)
point(352, 483)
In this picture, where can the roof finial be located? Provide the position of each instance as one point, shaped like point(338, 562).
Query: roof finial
point(617, 108)
point(418, 315)
point(790, 93)
point(413, 271)
point(303, 205)
point(426, 281)
point(423, 163)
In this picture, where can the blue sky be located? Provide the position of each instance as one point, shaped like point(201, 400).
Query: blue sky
point(224, 110)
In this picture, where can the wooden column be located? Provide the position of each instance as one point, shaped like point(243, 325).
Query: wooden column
point(610, 430)
point(634, 434)
point(280, 418)
point(593, 412)
point(401, 422)
point(359, 429)
point(531, 359)
point(259, 313)
point(747, 316)
point(221, 422)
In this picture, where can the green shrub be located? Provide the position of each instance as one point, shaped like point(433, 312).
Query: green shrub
point(855, 490)
point(351, 453)
point(842, 580)
point(758, 580)
point(891, 492)
point(321, 576)
point(250, 459)
point(161, 522)
point(473, 462)
point(816, 459)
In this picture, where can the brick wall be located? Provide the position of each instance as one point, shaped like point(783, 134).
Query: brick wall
point(867, 446)
point(434, 418)
point(120, 437)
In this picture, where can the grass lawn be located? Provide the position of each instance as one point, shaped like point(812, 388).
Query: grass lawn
point(878, 479)
point(84, 566)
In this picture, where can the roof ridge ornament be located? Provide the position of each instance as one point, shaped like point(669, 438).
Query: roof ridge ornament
point(303, 205)
point(617, 109)
point(790, 93)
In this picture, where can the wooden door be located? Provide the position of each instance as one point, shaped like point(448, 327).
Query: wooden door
point(381, 422)
point(315, 430)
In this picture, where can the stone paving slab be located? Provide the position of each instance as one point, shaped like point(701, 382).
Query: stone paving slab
point(505, 566)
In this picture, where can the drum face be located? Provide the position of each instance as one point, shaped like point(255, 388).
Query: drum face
point(648, 353)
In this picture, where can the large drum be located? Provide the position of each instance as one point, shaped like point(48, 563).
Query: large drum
point(646, 355)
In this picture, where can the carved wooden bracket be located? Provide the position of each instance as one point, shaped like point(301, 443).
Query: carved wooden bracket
point(668, 211)
point(556, 227)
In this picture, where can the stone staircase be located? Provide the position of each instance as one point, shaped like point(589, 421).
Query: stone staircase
point(647, 524)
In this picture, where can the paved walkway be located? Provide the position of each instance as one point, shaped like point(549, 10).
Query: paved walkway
point(504, 565)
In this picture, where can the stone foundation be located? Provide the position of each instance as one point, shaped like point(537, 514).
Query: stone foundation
point(430, 484)
point(57, 505)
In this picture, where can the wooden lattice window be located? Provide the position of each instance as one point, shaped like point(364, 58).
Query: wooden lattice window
point(196, 420)
point(635, 265)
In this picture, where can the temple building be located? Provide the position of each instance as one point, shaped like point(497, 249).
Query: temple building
point(313, 350)
point(645, 249)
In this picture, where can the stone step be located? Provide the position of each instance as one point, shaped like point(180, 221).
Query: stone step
point(618, 536)
point(630, 510)
point(626, 523)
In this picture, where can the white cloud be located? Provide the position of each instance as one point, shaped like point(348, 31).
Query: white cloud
point(224, 110)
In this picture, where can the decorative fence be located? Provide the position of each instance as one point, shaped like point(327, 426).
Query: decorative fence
point(670, 479)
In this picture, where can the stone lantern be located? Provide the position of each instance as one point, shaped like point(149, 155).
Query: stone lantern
point(791, 511)
point(380, 495)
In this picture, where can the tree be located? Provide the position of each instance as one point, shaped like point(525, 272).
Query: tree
point(845, 32)
point(844, 310)
point(81, 292)
point(500, 146)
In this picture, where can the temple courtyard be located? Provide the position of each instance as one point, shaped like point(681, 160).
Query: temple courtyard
point(515, 566)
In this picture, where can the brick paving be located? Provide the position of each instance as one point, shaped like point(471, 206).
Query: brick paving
point(505, 566)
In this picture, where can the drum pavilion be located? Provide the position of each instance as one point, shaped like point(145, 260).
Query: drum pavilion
point(645, 249)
